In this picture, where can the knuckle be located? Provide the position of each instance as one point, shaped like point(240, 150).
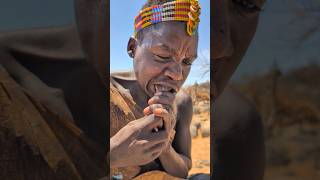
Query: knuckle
point(142, 143)
point(153, 117)
point(155, 106)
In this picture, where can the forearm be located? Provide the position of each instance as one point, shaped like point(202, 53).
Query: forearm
point(112, 155)
point(174, 163)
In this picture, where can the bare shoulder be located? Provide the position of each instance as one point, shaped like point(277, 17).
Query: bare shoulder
point(184, 107)
point(183, 99)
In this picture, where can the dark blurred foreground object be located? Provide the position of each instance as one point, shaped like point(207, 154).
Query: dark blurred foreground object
point(239, 150)
point(289, 103)
point(37, 144)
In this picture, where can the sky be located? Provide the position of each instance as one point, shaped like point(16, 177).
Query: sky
point(122, 14)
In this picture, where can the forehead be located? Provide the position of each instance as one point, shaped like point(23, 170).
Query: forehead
point(172, 34)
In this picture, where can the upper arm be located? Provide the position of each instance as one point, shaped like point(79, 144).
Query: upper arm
point(182, 140)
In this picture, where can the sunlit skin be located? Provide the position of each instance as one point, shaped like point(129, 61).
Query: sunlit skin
point(162, 61)
point(58, 81)
point(234, 29)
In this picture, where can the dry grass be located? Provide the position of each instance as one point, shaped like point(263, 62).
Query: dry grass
point(290, 108)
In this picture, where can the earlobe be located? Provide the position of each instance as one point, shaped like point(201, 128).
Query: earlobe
point(131, 48)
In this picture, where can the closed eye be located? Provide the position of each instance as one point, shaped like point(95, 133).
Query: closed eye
point(162, 57)
point(187, 61)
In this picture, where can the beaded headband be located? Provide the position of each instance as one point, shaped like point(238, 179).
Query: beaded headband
point(178, 10)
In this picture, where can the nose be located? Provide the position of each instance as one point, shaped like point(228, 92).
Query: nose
point(174, 71)
point(222, 43)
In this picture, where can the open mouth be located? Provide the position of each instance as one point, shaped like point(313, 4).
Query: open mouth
point(165, 88)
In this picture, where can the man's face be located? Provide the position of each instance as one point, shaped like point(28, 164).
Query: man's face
point(234, 25)
point(163, 58)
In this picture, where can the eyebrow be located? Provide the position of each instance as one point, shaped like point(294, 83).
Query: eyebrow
point(166, 47)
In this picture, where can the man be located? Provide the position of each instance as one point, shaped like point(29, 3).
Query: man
point(238, 139)
point(57, 77)
point(59, 70)
point(162, 56)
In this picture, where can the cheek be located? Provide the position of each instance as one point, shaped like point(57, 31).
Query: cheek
point(146, 68)
point(186, 71)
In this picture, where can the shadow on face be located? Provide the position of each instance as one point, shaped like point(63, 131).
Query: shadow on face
point(163, 54)
point(235, 23)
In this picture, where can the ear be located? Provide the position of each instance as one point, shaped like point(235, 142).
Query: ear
point(132, 45)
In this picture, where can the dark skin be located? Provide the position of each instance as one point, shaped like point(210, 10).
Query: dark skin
point(233, 32)
point(238, 141)
point(234, 27)
point(57, 78)
point(168, 52)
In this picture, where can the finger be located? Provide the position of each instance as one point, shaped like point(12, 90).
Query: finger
point(148, 121)
point(158, 126)
point(161, 100)
point(149, 110)
point(155, 155)
point(160, 112)
point(156, 122)
point(165, 115)
point(155, 138)
point(156, 148)
point(165, 93)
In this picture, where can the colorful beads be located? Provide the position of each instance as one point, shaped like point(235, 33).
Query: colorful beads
point(179, 10)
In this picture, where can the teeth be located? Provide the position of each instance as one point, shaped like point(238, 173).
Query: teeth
point(160, 88)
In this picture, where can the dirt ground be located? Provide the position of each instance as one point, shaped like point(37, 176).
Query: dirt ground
point(200, 128)
point(200, 154)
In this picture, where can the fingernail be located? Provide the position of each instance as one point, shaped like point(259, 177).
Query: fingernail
point(150, 101)
point(158, 111)
point(146, 110)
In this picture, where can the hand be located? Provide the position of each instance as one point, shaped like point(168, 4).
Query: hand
point(162, 105)
point(136, 144)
